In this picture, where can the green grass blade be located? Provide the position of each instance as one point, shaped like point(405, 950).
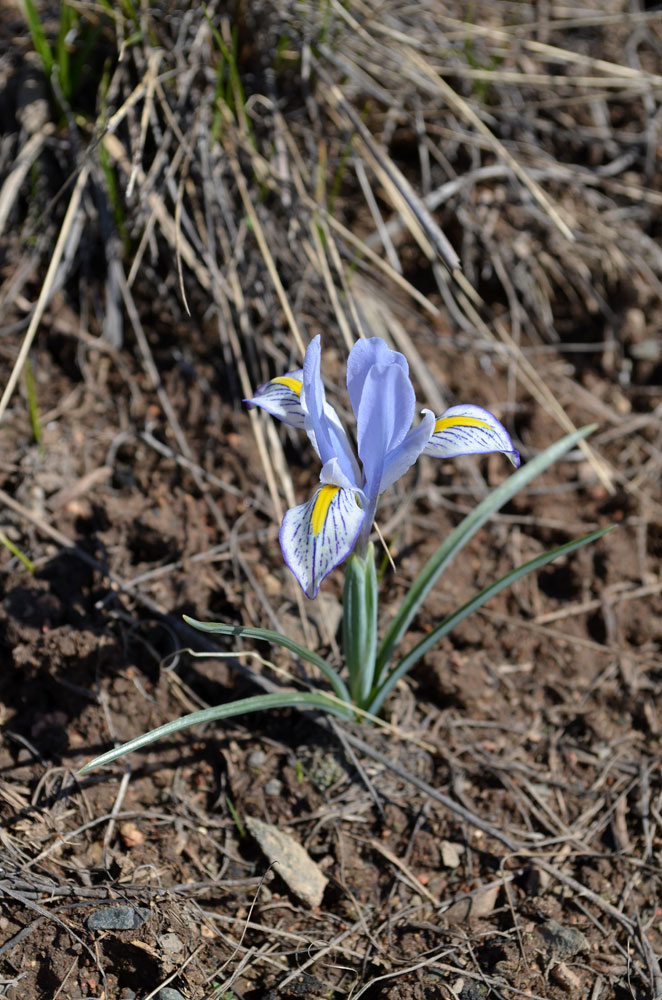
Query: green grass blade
point(247, 632)
point(421, 648)
point(41, 46)
point(68, 20)
point(235, 817)
point(235, 97)
point(257, 703)
point(459, 538)
point(33, 406)
point(15, 551)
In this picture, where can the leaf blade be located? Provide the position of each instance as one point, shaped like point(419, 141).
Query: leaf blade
point(459, 537)
point(421, 648)
point(256, 703)
point(278, 639)
point(36, 29)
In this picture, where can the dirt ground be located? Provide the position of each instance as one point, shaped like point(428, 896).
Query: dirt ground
point(501, 836)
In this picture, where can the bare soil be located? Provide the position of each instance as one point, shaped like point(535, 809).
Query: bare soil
point(540, 716)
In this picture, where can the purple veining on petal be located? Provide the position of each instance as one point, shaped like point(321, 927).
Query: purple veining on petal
point(311, 557)
point(281, 401)
point(449, 442)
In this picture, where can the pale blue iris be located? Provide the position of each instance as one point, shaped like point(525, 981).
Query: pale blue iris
point(318, 535)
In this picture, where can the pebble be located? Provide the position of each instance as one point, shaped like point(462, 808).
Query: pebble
point(256, 758)
point(560, 942)
point(167, 993)
point(293, 864)
point(273, 787)
point(450, 854)
point(170, 942)
point(118, 918)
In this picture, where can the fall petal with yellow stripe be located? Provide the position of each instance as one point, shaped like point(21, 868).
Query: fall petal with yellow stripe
point(316, 536)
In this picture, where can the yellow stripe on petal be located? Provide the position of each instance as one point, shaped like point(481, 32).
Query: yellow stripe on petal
point(321, 509)
point(294, 384)
point(445, 422)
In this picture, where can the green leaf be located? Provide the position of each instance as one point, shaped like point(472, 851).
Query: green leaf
point(42, 48)
point(33, 406)
point(278, 639)
point(68, 18)
point(257, 703)
point(359, 623)
point(15, 551)
point(459, 538)
point(236, 818)
point(421, 648)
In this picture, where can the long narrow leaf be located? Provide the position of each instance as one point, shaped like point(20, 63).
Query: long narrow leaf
point(421, 648)
point(15, 551)
point(257, 703)
point(247, 632)
point(38, 34)
point(68, 18)
point(459, 538)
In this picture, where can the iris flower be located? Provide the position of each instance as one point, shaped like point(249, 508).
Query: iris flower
point(318, 535)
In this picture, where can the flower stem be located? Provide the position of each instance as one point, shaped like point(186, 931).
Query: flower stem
point(360, 602)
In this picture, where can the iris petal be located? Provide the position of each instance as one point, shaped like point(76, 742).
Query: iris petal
point(332, 475)
point(469, 430)
point(363, 356)
point(403, 457)
point(385, 414)
point(316, 536)
point(326, 432)
point(281, 398)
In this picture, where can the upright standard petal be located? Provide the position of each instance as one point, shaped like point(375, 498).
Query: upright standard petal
point(385, 414)
point(282, 398)
point(362, 357)
point(323, 425)
point(403, 457)
point(469, 430)
point(318, 535)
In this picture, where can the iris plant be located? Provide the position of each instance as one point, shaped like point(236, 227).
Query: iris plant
point(335, 525)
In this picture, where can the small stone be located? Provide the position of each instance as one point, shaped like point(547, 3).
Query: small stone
point(323, 767)
point(257, 758)
point(566, 979)
point(293, 864)
point(167, 993)
point(559, 943)
point(474, 906)
point(273, 787)
point(171, 943)
point(470, 991)
point(647, 350)
point(131, 835)
point(450, 854)
point(118, 918)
